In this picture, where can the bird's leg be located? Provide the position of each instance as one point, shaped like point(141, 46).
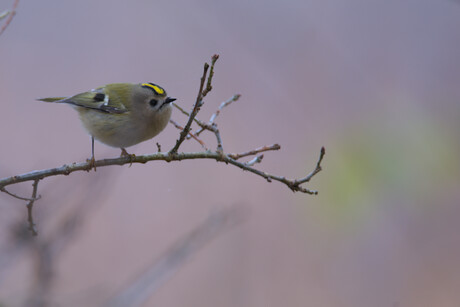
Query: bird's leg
point(124, 153)
point(92, 161)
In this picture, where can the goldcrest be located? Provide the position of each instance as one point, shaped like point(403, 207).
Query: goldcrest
point(121, 114)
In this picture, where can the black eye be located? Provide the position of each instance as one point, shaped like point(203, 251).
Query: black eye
point(153, 102)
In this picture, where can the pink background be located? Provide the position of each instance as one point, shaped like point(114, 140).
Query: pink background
point(375, 82)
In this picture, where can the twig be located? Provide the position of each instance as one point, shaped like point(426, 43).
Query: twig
point(10, 17)
point(316, 170)
point(255, 160)
point(215, 114)
point(197, 121)
point(255, 151)
point(223, 105)
point(198, 103)
point(208, 88)
point(216, 131)
point(211, 126)
point(190, 134)
point(31, 200)
point(196, 109)
point(30, 206)
point(294, 185)
point(16, 196)
point(203, 126)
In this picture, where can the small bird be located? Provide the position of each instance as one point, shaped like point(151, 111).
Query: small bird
point(121, 114)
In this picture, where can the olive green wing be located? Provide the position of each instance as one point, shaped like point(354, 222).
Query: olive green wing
point(104, 99)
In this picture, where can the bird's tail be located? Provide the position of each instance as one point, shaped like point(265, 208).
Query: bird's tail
point(52, 99)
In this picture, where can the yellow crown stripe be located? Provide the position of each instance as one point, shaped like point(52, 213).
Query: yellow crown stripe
point(156, 88)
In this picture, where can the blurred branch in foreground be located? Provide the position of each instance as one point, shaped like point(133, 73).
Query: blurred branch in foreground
point(9, 16)
point(173, 154)
point(70, 211)
point(176, 256)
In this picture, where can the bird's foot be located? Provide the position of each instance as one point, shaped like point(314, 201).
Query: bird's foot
point(91, 163)
point(124, 153)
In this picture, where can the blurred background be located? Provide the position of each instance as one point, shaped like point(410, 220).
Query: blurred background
point(376, 82)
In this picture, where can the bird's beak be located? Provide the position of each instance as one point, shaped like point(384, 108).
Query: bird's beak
point(169, 99)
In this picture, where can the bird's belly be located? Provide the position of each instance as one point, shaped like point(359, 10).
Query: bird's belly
point(116, 130)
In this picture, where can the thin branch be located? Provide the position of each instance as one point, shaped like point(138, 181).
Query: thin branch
point(10, 17)
point(316, 170)
point(196, 109)
point(190, 134)
point(31, 200)
point(214, 116)
point(16, 196)
point(294, 185)
point(223, 105)
point(211, 126)
point(197, 121)
point(255, 151)
point(255, 160)
point(216, 131)
point(203, 126)
point(30, 206)
point(165, 156)
point(208, 88)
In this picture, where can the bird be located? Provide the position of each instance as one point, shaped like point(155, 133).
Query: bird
point(121, 114)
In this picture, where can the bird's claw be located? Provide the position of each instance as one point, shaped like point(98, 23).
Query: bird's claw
point(91, 163)
point(124, 153)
